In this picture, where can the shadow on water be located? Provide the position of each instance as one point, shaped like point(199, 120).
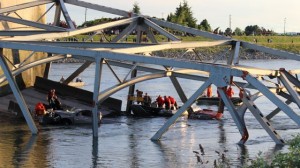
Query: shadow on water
point(22, 153)
point(95, 152)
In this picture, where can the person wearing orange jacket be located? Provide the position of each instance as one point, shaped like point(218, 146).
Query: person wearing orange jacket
point(209, 91)
point(229, 92)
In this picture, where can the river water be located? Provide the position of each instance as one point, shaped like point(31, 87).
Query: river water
point(125, 141)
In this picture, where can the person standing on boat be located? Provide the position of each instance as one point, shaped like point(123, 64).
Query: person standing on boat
point(167, 102)
point(160, 101)
point(51, 98)
point(53, 101)
point(173, 103)
point(139, 96)
point(209, 91)
point(229, 92)
point(147, 100)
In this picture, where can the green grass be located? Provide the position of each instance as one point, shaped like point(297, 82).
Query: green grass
point(286, 43)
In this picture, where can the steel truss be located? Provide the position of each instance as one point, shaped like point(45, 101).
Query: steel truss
point(132, 55)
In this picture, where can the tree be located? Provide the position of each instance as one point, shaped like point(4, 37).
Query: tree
point(228, 32)
point(252, 30)
point(204, 26)
point(238, 32)
point(216, 31)
point(183, 15)
point(136, 9)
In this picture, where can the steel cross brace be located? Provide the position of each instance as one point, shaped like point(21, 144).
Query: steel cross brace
point(187, 104)
point(272, 97)
point(17, 93)
point(288, 85)
point(262, 120)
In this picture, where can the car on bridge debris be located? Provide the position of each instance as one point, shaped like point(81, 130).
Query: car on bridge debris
point(68, 117)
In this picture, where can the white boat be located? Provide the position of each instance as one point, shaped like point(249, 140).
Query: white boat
point(76, 84)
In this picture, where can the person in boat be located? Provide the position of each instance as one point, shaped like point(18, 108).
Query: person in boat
point(160, 101)
point(173, 103)
point(167, 102)
point(40, 109)
point(78, 80)
point(209, 91)
point(139, 95)
point(62, 79)
point(229, 92)
point(147, 100)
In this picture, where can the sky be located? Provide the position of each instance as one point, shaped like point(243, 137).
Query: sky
point(276, 15)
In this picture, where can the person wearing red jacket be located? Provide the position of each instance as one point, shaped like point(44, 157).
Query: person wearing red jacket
point(229, 92)
point(209, 91)
point(160, 101)
point(167, 103)
point(173, 103)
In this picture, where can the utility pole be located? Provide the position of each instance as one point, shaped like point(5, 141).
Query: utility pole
point(85, 15)
point(284, 26)
point(230, 22)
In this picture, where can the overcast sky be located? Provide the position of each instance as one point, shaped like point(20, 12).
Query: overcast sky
point(270, 14)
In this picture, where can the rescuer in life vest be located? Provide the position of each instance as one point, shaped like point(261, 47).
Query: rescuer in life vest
point(209, 91)
point(173, 103)
point(160, 101)
point(167, 102)
point(229, 92)
point(40, 109)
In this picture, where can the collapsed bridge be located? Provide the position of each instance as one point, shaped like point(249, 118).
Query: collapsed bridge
point(141, 56)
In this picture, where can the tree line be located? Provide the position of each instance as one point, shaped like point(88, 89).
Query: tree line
point(183, 15)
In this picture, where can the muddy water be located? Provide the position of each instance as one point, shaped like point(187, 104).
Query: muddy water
point(125, 142)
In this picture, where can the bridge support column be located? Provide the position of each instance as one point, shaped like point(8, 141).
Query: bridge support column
point(240, 123)
point(98, 72)
point(17, 93)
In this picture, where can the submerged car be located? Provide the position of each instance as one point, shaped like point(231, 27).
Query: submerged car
point(69, 117)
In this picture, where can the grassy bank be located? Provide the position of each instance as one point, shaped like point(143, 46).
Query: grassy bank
point(286, 43)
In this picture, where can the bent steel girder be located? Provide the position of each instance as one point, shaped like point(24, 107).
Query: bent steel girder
point(66, 14)
point(188, 29)
point(125, 32)
point(17, 93)
point(32, 24)
point(161, 30)
point(24, 6)
point(290, 77)
point(31, 65)
point(175, 45)
point(109, 91)
point(288, 85)
point(73, 32)
point(99, 8)
point(262, 120)
point(90, 55)
point(272, 97)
